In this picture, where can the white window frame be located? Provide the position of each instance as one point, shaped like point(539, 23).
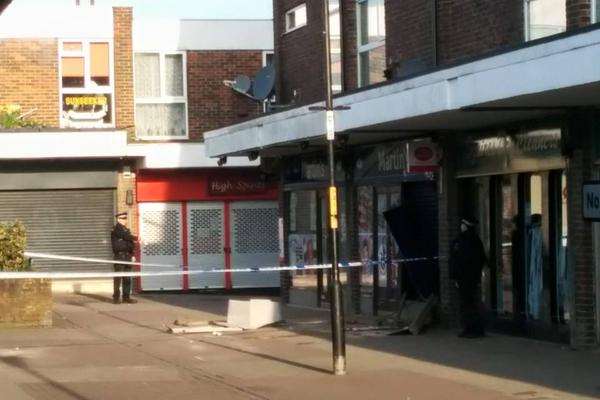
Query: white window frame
point(291, 11)
point(88, 87)
point(527, 19)
point(364, 48)
point(265, 53)
point(164, 99)
point(593, 9)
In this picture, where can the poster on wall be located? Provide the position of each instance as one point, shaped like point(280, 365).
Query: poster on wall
point(86, 110)
point(302, 249)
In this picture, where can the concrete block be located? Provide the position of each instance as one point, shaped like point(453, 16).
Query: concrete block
point(253, 313)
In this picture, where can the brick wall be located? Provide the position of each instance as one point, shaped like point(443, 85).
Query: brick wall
point(578, 13)
point(349, 40)
point(126, 183)
point(25, 303)
point(468, 28)
point(581, 248)
point(29, 77)
point(300, 53)
point(448, 209)
point(410, 31)
point(123, 57)
point(212, 105)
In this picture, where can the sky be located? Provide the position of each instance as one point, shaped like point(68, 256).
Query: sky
point(180, 9)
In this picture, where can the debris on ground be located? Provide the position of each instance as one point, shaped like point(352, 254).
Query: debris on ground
point(215, 327)
point(412, 317)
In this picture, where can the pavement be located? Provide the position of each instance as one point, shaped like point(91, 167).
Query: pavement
point(99, 350)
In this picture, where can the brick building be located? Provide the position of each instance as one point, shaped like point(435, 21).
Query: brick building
point(484, 108)
point(122, 105)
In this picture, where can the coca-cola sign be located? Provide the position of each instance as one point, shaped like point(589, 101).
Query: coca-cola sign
point(235, 186)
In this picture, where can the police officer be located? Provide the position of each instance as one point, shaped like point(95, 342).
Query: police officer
point(122, 246)
point(466, 263)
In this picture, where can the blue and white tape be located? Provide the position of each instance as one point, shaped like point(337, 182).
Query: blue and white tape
point(175, 270)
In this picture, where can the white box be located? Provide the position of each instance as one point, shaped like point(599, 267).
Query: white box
point(253, 313)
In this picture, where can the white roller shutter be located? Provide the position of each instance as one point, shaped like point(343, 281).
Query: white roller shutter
point(65, 222)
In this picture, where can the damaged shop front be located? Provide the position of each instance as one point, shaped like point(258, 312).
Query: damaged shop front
point(388, 220)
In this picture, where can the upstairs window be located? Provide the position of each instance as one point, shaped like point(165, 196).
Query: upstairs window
point(335, 42)
point(595, 11)
point(86, 88)
point(295, 18)
point(371, 41)
point(160, 96)
point(544, 18)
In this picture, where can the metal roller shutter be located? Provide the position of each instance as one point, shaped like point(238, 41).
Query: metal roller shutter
point(65, 222)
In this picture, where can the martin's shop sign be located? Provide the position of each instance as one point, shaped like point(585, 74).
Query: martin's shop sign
point(538, 150)
point(396, 159)
point(387, 160)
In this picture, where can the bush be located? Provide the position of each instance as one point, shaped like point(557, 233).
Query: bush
point(12, 117)
point(13, 240)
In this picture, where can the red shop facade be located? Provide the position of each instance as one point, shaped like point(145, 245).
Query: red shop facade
point(206, 219)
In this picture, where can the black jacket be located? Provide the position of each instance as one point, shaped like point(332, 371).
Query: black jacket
point(467, 257)
point(122, 240)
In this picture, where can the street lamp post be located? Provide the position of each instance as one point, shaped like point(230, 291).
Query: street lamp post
point(337, 312)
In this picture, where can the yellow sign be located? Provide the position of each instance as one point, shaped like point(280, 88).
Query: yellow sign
point(333, 210)
point(333, 201)
point(86, 100)
point(333, 222)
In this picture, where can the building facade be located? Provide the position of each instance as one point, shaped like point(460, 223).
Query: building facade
point(496, 99)
point(121, 105)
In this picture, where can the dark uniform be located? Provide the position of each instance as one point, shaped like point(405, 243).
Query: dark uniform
point(123, 247)
point(466, 263)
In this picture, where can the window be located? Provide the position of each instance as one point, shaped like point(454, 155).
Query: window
point(160, 95)
point(595, 17)
point(371, 41)
point(544, 18)
point(335, 41)
point(295, 18)
point(86, 84)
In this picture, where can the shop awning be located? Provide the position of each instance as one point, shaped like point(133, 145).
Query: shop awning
point(537, 80)
point(51, 144)
point(106, 144)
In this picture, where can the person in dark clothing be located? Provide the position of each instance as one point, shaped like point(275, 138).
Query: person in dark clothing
point(123, 245)
point(466, 263)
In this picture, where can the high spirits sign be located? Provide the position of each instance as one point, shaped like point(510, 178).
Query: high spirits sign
point(235, 186)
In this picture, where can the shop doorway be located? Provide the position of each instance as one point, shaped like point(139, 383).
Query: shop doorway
point(523, 225)
point(209, 235)
point(397, 222)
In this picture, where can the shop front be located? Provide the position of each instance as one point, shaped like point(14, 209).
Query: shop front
point(514, 182)
point(396, 215)
point(383, 199)
point(204, 219)
point(305, 182)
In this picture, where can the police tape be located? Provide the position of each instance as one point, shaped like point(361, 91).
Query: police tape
point(176, 269)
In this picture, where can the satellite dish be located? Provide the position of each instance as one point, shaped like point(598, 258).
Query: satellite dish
point(242, 84)
point(264, 83)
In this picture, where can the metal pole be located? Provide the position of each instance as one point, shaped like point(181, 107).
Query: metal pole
point(337, 312)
